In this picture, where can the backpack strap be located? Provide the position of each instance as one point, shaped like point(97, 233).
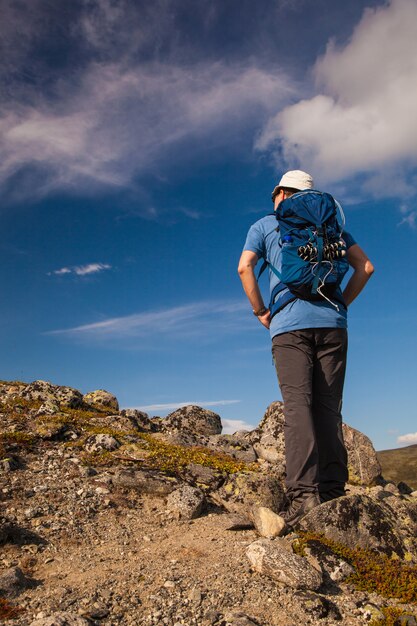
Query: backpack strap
point(280, 297)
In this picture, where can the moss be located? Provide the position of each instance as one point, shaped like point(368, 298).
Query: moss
point(163, 456)
point(354, 478)
point(104, 458)
point(374, 572)
point(173, 458)
point(17, 439)
point(15, 408)
point(9, 611)
point(392, 616)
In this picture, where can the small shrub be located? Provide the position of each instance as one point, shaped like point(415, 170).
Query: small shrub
point(374, 572)
point(392, 616)
point(173, 458)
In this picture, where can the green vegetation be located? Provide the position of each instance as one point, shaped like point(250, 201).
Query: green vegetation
point(400, 465)
point(392, 616)
point(17, 439)
point(168, 457)
point(374, 572)
point(172, 458)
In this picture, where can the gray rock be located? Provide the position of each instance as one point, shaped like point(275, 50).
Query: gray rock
point(13, 581)
point(357, 521)
point(48, 408)
point(193, 418)
point(268, 523)
point(317, 606)
point(242, 491)
point(150, 482)
point(139, 419)
point(119, 422)
point(234, 446)
point(268, 442)
point(184, 438)
point(268, 438)
point(47, 392)
point(333, 567)
point(364, 467)
point(61, 619)
point(186, 502)
point(276, 560)
point(204, 477)
point(98, 443)
point(102, 398)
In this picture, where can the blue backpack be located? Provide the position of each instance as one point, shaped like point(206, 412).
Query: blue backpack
point(313, 254)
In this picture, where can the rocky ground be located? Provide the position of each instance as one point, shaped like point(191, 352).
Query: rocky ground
point(108, 517)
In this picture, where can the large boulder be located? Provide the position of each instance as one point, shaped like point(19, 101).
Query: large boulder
point(47, 392)
point(268, 442)
point(192, 418)
point(139, 419)
point(102, 398)
point(358, 521)
point(233, 445)
point(268, 438)
point(364, 467)
point(276, 560)
point(244, 490)
point(187, 502)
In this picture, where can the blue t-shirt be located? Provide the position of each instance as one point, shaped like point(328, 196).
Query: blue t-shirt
point(263, 239)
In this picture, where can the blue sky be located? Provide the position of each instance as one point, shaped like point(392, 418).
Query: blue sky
point(139, 142)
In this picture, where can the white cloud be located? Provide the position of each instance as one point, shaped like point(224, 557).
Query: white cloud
point(231, 426)
point(177, 405)
point(409, 219)
point(408, 439)
point(82, 270)
point(117, 121)
point(91, 268)
point(190, 320)
point(363, 121)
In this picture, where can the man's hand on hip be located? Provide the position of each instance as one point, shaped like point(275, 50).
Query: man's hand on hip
point(265, 319)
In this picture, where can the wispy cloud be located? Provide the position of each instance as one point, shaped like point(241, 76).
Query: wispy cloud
point(81, 270)
point(177, 405)
point(362, 120)
point(120, 109)
point(409, 439)
point(409, 217)
point(190, 320)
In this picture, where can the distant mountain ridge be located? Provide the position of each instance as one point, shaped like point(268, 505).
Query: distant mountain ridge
point(400, 464)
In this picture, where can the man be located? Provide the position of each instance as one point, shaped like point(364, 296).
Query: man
point(309, 345)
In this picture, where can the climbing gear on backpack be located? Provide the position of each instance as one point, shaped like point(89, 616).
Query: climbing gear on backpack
point(313, 261)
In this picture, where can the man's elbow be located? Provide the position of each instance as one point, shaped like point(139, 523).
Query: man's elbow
point(244, 268)
point(369, 268)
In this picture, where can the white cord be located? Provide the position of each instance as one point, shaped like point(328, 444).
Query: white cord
point(322, 281)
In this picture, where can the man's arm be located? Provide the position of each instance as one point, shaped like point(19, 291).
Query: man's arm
point(362, 272)
point(246, 269)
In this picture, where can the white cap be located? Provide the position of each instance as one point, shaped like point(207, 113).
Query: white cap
point(295, 179)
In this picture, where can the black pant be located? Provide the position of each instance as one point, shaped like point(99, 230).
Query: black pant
point(311, 367)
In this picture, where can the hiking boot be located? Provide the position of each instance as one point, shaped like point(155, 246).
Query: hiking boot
point(331, 494)
point(299, 507)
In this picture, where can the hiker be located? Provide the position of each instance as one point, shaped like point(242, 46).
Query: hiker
point(307, 320)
